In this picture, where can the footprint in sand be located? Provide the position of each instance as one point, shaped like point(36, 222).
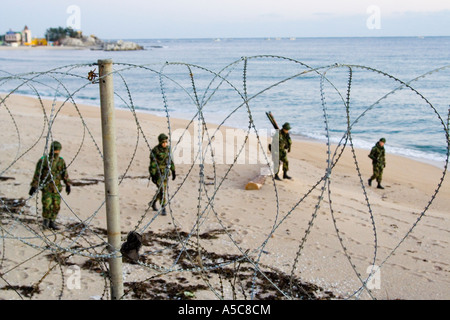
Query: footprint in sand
point(438, 268)
point(32, 271)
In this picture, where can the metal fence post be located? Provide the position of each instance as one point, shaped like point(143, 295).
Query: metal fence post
point(111, 176)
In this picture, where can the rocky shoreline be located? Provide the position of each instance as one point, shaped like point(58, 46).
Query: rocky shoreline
point(95, 43)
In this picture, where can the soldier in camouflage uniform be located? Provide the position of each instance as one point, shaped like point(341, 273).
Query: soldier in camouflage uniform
point(160, 170)
point(377, 154)
point(285, 144)
point(50, 171)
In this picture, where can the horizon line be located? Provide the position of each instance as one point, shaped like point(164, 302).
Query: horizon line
point(276, 38)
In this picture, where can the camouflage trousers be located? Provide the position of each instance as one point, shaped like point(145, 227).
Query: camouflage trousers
point(377, 172)
point(51, 204)
point(161, 193)
point(284, 161)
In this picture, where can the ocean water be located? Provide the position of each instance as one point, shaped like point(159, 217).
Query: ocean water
point(325, 87)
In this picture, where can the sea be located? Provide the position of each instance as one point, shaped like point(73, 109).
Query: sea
point(342, 90)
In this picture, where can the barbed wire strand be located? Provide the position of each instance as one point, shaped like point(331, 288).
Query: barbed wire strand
point(76, 248)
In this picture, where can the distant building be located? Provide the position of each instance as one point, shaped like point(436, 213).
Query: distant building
point(16, 38)
point(26, 36)
point(39, 42)
point(13, 37)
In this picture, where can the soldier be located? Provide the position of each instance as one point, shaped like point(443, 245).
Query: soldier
point(160, 169)
point(377, 154)
point(50, 170)
point(285, 144)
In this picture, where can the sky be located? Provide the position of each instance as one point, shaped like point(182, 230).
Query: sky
point(158, 19)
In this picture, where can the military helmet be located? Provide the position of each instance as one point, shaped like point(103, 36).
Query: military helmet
point(55, 146)
point(287, 126)
point(383, 140)
point(162, 137)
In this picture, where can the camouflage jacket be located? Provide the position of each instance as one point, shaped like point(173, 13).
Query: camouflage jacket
point(49, 173)
point(159, 161)
point(285, 142)
point(377, 154)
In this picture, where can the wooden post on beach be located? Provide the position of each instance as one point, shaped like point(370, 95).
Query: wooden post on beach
point(111, 176)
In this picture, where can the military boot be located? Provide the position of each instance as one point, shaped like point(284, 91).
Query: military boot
point(370, 182)
point(45, 223)
point(153, 205)
point(52, 225)
point(380, 186)
point(277, 177)
point(285, 176)
point(163, 212)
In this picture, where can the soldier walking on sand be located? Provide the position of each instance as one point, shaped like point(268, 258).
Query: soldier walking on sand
point(377, 154)
point(50, 170)
point(285, 144)
point(160, 170)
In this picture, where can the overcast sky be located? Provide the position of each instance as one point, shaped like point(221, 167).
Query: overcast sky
point(134, 19)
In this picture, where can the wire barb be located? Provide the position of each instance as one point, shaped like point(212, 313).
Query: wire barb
point(190, 248)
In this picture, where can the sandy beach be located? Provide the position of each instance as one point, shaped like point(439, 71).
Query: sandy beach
point(11, 48)
point(306, 237)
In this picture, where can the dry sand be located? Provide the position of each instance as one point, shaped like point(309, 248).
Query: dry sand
point(11, 48)
point(182, 259)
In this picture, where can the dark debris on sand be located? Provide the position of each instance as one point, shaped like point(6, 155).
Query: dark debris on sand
point(266, 284)
point(207, 267)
